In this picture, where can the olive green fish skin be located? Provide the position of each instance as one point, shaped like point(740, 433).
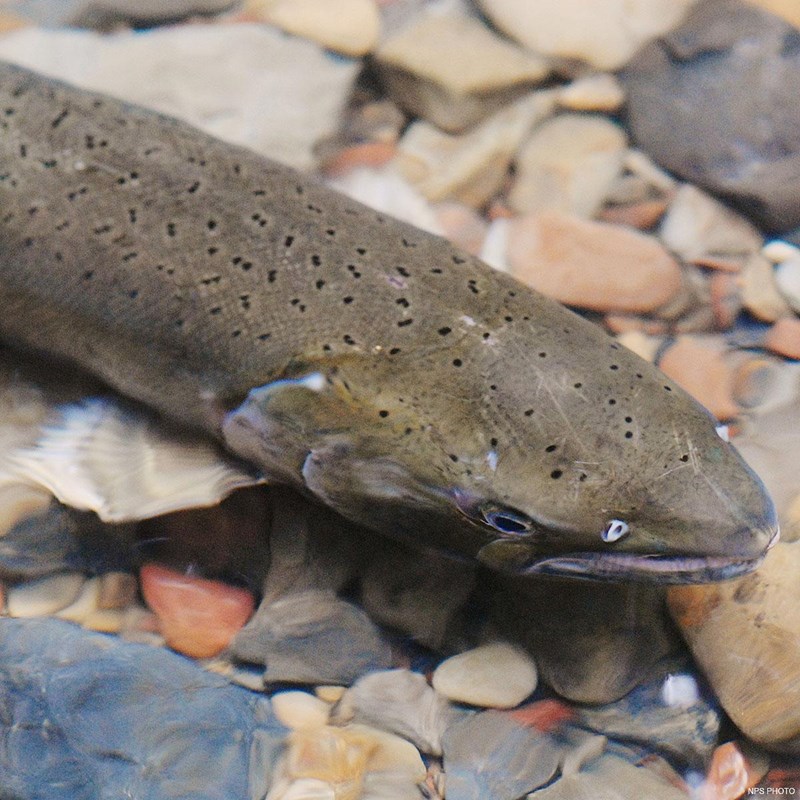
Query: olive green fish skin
point(447, 403)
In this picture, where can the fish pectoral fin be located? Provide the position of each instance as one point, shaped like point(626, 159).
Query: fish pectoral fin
point(102, 456)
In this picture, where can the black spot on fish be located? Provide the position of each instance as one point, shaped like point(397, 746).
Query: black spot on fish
point(444, 331)
point(556, 474)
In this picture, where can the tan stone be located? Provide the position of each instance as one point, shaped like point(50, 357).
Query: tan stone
point(569, 164)
point(462, 225)
point(591, 264)
point(605, 33)
point(44, 596)
point(745, 635)
point(597, 92)
point(784, 337)
point(471, 167)
point(300, 710)
point(760, 294)
point(788, 9)
point(347, 26)
point(452, 70)
point(699, 366)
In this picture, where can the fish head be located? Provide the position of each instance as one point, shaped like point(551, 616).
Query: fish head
point(550, 450)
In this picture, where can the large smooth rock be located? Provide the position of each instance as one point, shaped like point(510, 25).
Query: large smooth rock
point(452, 70)
point(730, 65)
point(745, 635)
point(291, 98)
point(605, 33)
point(87, 716)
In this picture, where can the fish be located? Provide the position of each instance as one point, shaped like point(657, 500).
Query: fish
point(379, 369)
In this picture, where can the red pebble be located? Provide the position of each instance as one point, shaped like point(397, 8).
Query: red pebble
point(198, 617)
point(544, 715)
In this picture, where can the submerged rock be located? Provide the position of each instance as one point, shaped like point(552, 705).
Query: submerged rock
point(87, 715)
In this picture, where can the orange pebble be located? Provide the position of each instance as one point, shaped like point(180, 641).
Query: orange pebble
point(784, 337)
point(198, 617)
point(367, 154)
point(544, 715)
point(729, 775)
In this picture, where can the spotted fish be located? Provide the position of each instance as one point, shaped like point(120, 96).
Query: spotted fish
point(390, 375)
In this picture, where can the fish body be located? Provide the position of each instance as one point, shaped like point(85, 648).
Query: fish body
point(401, 381)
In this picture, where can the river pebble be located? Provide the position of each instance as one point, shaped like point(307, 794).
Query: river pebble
point(198, 617)
point(450, 69)
point(745, 635)
point(760, 294)
point(351, 27)
point(496, 675)
point(604, 34)
point(594, 92)
point(300, 710)
point(591, 265)
point(312, 637)
point(752, 77)
point(70, 698)
point(568, 164)
point(400, 701)
point(490, 756)
point(787, 279)
point(45, 596)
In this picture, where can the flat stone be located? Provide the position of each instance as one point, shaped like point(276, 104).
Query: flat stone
point(698, 227)
point(699, 366)
point(293, 96)
point(568, 164)
point(470, 167)
point(312, 637)
point(604, 33)
point(745, 636)
point(490, 756)
point(198, 617)
point(593, 643)
point(348, 26)
point(71, 698)
point(610, 776)
point(591, 265)
point(401, 702)
point(497, 675)
point(709, 138)
point(450, 69)
point(45, 596)
point(760, 295)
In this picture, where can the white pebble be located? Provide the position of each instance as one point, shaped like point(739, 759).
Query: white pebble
point(496, 675)
point(495, 245)
point(680, 691)
point(330, 694)
point(787, 279)
point(392, 753)
point(777, 251)
point(84, 605)
point(45, 596)
point(300, 710)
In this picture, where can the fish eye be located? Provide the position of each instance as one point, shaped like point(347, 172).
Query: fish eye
point(506, 520)
point(615, 530)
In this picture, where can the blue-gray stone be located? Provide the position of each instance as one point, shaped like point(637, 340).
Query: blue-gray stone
point(490, 756)
point(85, 716)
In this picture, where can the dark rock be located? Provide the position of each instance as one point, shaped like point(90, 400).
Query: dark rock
point(715, 101)
point(490, 756)
point(90, 717)
point(312, 637)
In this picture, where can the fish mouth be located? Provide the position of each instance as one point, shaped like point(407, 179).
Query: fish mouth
point(662, 569)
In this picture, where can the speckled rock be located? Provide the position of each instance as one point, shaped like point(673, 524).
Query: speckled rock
point(401, 702)
point(592, 265)
point(292, 99)
point(311, 637)
point(742, 64)
point(452, 70)
point(612, 777)
point(605, 33)
point(745, 635)
point(490, 756)
point(87, 716)
point(348, 26)
point(496, 675)
point(568, 164)
point(472, 166)
point(593, 643)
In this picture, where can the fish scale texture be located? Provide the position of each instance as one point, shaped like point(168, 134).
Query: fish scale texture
point(90, 717)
